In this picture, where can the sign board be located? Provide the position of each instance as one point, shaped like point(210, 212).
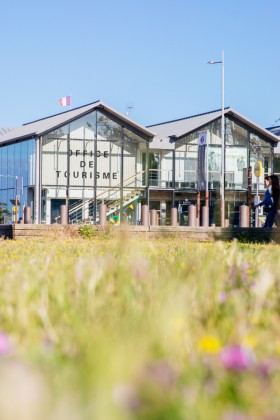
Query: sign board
point(258, 169)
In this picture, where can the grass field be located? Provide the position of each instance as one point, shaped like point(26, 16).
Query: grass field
point(126, 329)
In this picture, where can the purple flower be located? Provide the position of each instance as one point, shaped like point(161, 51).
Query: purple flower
point(244, 271)
point(236, 358)
point(5, 344)
point(222, 297)
point(162, 373)
point(266, 367)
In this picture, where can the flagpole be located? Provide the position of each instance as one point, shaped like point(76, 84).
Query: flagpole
point(70, 107)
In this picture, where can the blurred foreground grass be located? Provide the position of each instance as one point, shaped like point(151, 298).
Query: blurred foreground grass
point(138, 329)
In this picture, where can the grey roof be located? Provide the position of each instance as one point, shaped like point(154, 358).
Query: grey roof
point(43, 126)
point(4, 131)
point(169, 131)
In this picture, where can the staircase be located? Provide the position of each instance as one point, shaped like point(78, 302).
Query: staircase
point(110, 197)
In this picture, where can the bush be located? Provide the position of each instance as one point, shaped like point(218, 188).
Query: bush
point(88, 231)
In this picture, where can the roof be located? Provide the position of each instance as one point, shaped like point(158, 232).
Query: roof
point(43, 126)
point(4, 131)
point(171, 131)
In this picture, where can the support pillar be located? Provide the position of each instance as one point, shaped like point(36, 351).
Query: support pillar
point(153, 217)
point(192, 216)
point(244, 216)
point(205, 216)
point(174, 216)
point(198, 208)
point(27, 215)
point(102, 214)
point(63, 215)
point(144, 215)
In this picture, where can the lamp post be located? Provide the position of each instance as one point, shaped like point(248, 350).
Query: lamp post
point(222, 181)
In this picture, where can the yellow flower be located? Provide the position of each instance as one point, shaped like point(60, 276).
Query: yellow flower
point(250, 341)
point(209, 344)
point(277, 347)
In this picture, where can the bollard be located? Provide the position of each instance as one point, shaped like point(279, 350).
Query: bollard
point(102, 214)
point(226, 223)
point(174, 216)
point(205, 216)
point(27, 215)
point(144, 215)
point(243, 216)
point(63, 215)
point(192, 216)
point(153, 217)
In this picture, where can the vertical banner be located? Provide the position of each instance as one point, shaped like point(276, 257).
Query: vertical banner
point(201, 162)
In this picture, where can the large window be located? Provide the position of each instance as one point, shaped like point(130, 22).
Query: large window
point(93, 158)
point(17, 166)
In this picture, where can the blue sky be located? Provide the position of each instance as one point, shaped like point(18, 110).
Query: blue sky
point(149, 54)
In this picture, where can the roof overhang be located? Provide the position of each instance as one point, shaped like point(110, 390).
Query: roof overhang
point(44, 126)
point(255, 127)
point(232, 113)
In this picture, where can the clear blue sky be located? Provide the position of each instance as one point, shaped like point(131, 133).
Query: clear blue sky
point(151, 54)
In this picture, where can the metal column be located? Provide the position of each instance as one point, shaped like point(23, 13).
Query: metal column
point(38, 181)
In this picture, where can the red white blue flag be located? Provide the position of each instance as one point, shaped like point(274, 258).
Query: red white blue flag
point(66, 101)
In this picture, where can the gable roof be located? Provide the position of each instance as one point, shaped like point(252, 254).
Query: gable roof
point(43, 126)
point(171, 131)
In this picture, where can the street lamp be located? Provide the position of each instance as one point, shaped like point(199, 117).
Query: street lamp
point(222, 182)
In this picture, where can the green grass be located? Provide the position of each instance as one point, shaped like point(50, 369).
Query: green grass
point(135, 329)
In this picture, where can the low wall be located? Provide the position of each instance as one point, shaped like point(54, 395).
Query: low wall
point(200, 234)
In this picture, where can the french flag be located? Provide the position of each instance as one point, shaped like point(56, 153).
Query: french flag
point(66, 101)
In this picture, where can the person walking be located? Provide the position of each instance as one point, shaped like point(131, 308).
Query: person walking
point(267, 202)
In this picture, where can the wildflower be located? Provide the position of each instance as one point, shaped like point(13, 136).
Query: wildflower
point(236, 358)
point(222, 297)
point(250, 341)
point(266, 367)
point(209, 344)
point(245, 271)
point(162, 373)
point(125, 395)
point(5, 344)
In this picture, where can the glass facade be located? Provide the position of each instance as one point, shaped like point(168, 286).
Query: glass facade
point(93, 159)
point(98, 159)
point(17, 174)
point(243, 148)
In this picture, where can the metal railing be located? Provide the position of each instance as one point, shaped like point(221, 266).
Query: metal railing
point(106, 194)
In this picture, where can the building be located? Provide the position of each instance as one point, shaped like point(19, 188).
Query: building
point(276, 132)
point(93, 154)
